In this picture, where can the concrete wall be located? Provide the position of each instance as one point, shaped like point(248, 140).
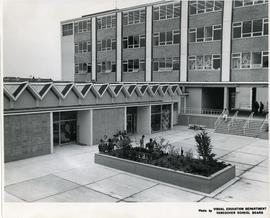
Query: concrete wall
point(194, 98)
point(144, 120)
point(262, 95)
point(67, 60)
point(26, 136)
point(243, 97)
point(84, 123)
point(208, 121)
point(107, 122)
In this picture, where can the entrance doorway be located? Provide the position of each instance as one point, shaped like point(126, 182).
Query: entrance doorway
point(132, 120)
point(161, 117)
point(64, 127)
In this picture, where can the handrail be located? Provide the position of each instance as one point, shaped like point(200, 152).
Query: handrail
point(232, 120)
point(210, 111)
point(246, 125)
point(218, 120)
point(264, 122)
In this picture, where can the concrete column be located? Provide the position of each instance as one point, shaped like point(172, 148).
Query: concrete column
point(84, 120)
point(144, 120)
point(94, 41)
point(172, 115)
point(184, 41)
point(226, 41)
point(119, 47)
point(125, 118)
point(51, 131)
point(148, 39)
point(226, 98)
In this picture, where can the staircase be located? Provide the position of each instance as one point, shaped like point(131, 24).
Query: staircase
point(235, 129)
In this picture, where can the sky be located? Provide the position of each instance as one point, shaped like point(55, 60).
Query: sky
point(31, 33)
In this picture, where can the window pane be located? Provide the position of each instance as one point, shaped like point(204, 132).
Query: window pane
point(108, 66)
point(218, 5)
point(155, 66)
point(199, 62)
point(136, 64)
point(136, 41)
point(130, 41)
point(142, 41)
point(176, 64)
point(208, 61)
point(191, 64)
point(208, 33)
point(124, 67)
point(237, 32)
point(170, 11)
point(142, 65)
point(156, 39)
point(236, 61)
point(103, 24)
point(209, 6)
point(176, 37)
point(109, 44)
point(201, 6)
point(200, 34)
point(265, 29)
point(168, 63)
point(177, 10)
point(192, 7)
point(130, 17)
point(217, 34)
point(103, 66)
point(169, 37)
point(162, 38)
point(136, 16)
point(109, 22)
point(130, 65)
point(113, 67)
point(238, 3)
point(113, 44)
point(256, 59)
point(265, 61)
point(216, 64)
point(156, 13)
point(245, 60)
point(142, 16)
point(162, 63)
point(248, 2)
point(192, 37)
point(125, 19)
point(104, 45)
point(163, 12)
point(257, 27)
point(246, 28)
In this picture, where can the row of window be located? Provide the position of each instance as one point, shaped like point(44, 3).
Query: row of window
point(246, 60)
point(82, 47)
point(164, 12)
point(133, 17)
point(137, 41)
point(242, 3)
point(106, 67)
point(83, 68)
point(204, 6)
point(106, 45)
point(166, 38)
point(205, 34)
point(67, 29)
point(133, 65)
point(82, 26)
point(204, 62)
point(166, 64)
point(106, 22)
point(250, 28)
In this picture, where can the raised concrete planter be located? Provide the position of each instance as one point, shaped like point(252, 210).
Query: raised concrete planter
point(179, 178)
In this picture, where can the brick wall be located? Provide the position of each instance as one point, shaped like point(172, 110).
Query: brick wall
point(26, 136)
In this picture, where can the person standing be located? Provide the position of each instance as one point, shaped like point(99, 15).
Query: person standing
point(142, 141)
point(261, 107)
point(225, 114)
point(256, 107)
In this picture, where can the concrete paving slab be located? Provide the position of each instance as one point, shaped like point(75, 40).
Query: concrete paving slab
point(245, 191)
point(121, 186)
point(87, 174)
point(243, 158)
point(257, 173)
point(163, 193)
point(80, 194)
point(11, 198)
point(258, 150)
point(264, 163)
point(38, 188)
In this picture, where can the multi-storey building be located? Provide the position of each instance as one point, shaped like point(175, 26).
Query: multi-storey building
point(138, 68)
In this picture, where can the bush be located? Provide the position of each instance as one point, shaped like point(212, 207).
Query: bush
point(204, 147)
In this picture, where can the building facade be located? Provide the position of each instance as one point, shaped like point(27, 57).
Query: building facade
point(139, 68)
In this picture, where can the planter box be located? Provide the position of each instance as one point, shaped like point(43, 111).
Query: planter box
point(179, 178)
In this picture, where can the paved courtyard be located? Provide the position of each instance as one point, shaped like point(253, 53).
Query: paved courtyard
point(70, 174)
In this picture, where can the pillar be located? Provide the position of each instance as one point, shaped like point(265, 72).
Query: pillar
point(148, 39)
point(94, 41)
point(51, 131)
point(119, 47)
point(125, 118)
point(84, 123)
point(226, 98)
point(226, 42)
point(184, 41)
point(172, 116)
point(144, 120)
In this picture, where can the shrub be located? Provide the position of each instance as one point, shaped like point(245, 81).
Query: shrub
point(204, 147)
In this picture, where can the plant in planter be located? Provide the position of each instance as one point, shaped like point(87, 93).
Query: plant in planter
point(204, 146)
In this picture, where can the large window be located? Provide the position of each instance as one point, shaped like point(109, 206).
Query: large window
point(82, 47)
point(82, 68)
point(252, 28)
point(166, 38)
point(243, 3)
point(204, 62)
point(106, 66)
point(106, 44)
point(166, 64)
point(204, 34)
point(160, 117)
point(204, 6)
point(67, 29)
point(133, 65)
point(82, 26)
point(168, 11)
point(252, 60)
point(134, 17)
point(136, 41)
point(106, 22)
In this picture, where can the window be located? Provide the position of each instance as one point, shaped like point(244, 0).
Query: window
point(166, 64)
point(109, 44)
point(162, 38)
point(106, 45)
point(76, 48)
point(125, 67)
point(176, 65)
point(208, 62)
point(89, 68)
point(265, 58)
point(236, 60)
point(245, 60)
point(156, 39)
point(82, 26)
point(204, 6)
point(83, 68)
point(247, 28)
point(217, 32)
point(200, 34)
point(192, 35)
point(241, 3)
point(125, 42)
point(113, 44)
point(113, 67)
point(192, 63)
point(199, 62)
point(134, 17)
point(265, 26)
point(176, 37)
point(169, 38)
point(208, 33)
point(106, 67)
point(131, 65)
point(237, 29)
point(98, 45)
point(168, 11)
point(83, 46)
point(67, 29)
point(89, 47)
point(130, 41)
point(142, 65)
point(76, 68)
point(256, 60)
point(142, 41)
point(136, 41)
point(257, 27)
point(106, 22)
point(216, 62)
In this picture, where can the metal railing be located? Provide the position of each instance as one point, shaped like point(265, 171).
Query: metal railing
point(230, 124)
point(217, 122)
point(265, 121)
point(208, 111)
point(246, 125)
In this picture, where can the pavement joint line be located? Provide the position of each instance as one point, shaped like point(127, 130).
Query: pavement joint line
point(140, 191)
point(254, 180)
point(101, 192)
point(14, 195)
point(103, 179)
